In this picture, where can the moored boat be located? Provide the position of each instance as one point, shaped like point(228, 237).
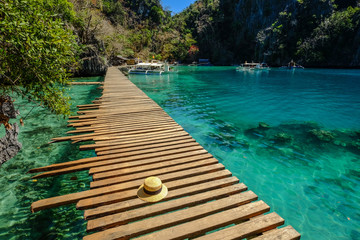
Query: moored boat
point(252, 66)
point(292, 66)
point(152, 67)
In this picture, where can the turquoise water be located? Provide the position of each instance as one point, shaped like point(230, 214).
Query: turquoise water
point(18, 190)
point(311, 180)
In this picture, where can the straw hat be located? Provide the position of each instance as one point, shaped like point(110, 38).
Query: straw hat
point(152, 190)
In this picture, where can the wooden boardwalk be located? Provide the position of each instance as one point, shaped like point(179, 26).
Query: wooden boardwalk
point(134, 138)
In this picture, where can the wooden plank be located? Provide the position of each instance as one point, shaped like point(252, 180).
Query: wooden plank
point(154, 170)
point(144, 165)
point(86, 83)
point(156, 209)
point(148, 159)
point(210, 223)
point(143, 142)
point(109, 195)
point(119, 116)
point(117, 140)
point(156, 147)
point(120, 108)
point(103, 122)
point(87, 105)
point(165, 176)
point(143, 110)
point(123, 133)
point(156, 223)
point(285, 233)
point(134, 142)
point(87, 137)
point(110, 163)
point(250, 228)
point(177, 193)
point(137, 136)
point(74, 197)
point(115, 125)
point(112, 125)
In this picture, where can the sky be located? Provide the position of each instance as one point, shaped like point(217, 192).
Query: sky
point(176, 6)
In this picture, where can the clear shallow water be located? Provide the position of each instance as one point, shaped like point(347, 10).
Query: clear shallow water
point(312, 183)
point(18, 190)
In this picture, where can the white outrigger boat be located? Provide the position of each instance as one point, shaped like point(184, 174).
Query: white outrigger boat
point(153, 67)
point(252, 66)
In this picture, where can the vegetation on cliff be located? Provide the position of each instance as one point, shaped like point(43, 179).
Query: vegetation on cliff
point(323, 33)
point(133, 29)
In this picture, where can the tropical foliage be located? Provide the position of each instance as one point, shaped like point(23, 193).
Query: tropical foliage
point(37, 50)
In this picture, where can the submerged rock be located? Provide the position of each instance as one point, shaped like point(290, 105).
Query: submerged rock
point(322, 135)
point(357, 133)
point(283, 138)
point(254, 133)
point(263, 126)
point(243, 143)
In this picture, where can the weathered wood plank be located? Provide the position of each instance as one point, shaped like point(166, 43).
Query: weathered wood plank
point(129, 174)
point(285, 233)
point(107, 197)
point(133, 151)
point(146, 165)
point(135, 141)
point(148, 159)
point(173, 194)
point(156, 223)
point(88, 137)
point(86, 83)
point(152, 210)
point(250, 228)
point(143, 142)
point(74, 197)
point(116, 124)
point(136, 136)
point(165, 176)
point(111, 162)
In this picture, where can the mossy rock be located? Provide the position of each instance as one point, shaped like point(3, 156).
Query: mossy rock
point(254, 133)
point(283, 138)
point(264, 126)
point(322, 135)
point(356, 144)
point(357, 133)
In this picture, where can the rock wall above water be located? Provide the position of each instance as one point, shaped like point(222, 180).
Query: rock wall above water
point(320, 33)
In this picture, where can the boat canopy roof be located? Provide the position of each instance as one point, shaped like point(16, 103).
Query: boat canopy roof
point(250, 64)
point(149, 64)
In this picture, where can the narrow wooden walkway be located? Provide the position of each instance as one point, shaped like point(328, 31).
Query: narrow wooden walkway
point(134, 138)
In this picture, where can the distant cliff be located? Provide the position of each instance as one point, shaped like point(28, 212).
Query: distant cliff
point(318, 33)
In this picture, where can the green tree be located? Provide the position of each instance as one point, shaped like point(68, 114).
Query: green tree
point(36, 50)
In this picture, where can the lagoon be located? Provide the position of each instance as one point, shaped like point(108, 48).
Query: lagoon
point(313, 184)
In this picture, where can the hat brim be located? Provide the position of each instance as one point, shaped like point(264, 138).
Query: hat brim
point(152, 198)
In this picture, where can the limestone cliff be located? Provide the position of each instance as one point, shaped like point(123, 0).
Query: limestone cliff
point(322, 33)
